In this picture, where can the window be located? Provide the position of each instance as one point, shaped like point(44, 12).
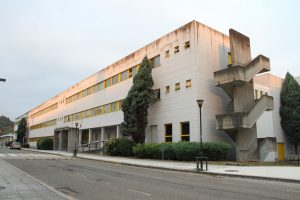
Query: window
point(229, 59)
point(107, 108)
point(115, 79)
point(130, 72)
point(100, 110)
point(94, 111)
point(124, 75)
point(168, 132)
point(84, 93)
point(167, 89)
point(114, 106)
point(101, 85)
point(188, 83)
point(187, 45)
point(107, 82)
point(177, 86)
point(176, 49)
point(134, 70)
point(88, 91)
point(156, 94)
point(155, 61)
point(95, 88)
point(167, 54)
point(185, 131)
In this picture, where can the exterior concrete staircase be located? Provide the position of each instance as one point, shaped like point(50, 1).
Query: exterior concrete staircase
point(247, 119)
point(237, 81)
point(238, 75)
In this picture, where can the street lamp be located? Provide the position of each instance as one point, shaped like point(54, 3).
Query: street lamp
point(200, 103)
point(75, 149)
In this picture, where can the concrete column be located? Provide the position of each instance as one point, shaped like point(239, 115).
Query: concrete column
point(90, 135)
point(118, 131)
point(102, 135)
point(79, 137)
point(59, 140)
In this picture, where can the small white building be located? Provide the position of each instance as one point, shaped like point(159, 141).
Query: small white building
point(185, 69)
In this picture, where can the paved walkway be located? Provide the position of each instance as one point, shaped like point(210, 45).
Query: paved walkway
point(281, 173)
point(17, 185)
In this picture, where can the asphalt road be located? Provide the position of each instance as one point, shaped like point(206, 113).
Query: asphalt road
point(87, 179)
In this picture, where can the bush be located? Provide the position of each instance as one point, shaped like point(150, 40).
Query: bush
point(216, 150)
point(125, 147)
point(111, 147)
point(186, 150)
point(45, 143)
point(182, 150)
point(119, 147)
point(169, 153)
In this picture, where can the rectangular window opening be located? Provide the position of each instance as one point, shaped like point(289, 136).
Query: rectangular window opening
point(167, 89)
point(187, 45)
point(185, 131)
point(177, 86)
point(168, 133)
point(176, 49)
point(188, 83)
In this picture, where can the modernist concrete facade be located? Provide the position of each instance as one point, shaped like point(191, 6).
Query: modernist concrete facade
point(184, 65)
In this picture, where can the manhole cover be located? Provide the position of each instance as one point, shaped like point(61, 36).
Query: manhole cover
point(231, 170)
point(2, 188)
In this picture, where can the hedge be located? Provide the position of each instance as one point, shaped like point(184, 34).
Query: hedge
point(182, 150)
point(119, 147)
point(45, 143)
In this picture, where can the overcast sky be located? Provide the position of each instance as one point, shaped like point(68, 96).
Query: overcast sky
point(48, 45)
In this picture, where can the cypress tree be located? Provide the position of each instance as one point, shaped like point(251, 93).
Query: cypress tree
point(290, 109)
point(135, 106)
point(22, 129)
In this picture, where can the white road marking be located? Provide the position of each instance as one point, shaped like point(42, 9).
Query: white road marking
point(293, 191)
point(11, 154)
point(139, 192)
point(2, 155)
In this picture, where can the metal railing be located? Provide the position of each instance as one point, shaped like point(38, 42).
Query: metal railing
point(92, 146)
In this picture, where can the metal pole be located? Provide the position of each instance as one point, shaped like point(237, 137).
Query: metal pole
point(200, 132)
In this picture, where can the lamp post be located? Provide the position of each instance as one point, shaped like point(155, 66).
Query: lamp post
point(200, 103)
point(75, 149)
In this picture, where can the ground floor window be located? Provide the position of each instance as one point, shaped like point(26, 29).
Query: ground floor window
point(185, 131)
point(168, 132)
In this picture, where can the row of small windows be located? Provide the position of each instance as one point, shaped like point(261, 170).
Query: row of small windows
point(259, 94)
point(176, 49)
point(45, 110)
point(184, 129)
point(188, 84)
point(131, 72)
point(100, 110)
point(43, 125)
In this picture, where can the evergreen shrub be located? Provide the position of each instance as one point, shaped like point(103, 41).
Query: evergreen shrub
point(45, 143)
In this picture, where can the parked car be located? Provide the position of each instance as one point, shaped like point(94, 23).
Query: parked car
point(15, 145)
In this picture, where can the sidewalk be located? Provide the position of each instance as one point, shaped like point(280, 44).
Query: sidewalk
point(277, 173)
point(15, 184)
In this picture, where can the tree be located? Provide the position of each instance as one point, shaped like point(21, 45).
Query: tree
point(22, 129)
point(290, 109)
point(135, 106)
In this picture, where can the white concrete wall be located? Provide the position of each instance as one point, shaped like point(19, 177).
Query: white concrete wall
point(207, 54)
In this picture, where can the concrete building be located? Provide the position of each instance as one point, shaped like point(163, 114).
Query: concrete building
point(191, 63)
point(6, 138)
